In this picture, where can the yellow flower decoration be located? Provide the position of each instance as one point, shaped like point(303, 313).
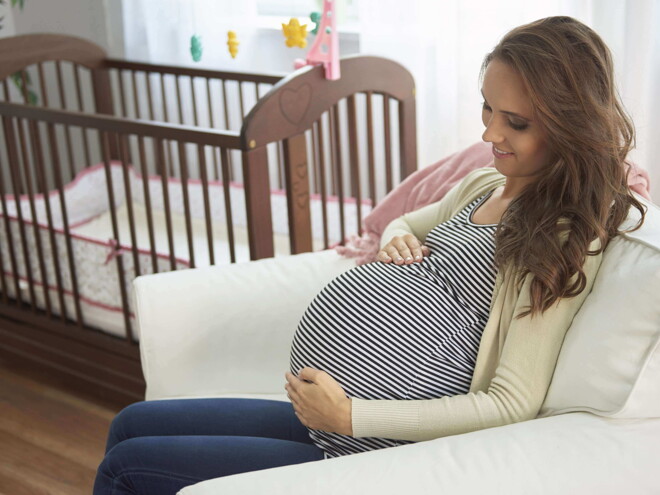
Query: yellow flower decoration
point(232, 43)
point(295, 34)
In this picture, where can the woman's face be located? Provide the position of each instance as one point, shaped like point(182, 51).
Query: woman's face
point(507, 115)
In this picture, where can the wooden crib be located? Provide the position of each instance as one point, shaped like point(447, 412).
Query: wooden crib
point(111, 169)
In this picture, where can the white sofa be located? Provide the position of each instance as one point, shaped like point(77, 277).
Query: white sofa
point(226, 331)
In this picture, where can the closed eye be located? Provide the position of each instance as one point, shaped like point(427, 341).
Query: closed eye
point(513, 125)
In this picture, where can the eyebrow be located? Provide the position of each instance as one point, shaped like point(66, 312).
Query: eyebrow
point(513, 114)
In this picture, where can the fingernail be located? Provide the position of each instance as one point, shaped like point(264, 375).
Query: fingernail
point(408, 258)
point(418, 257)
point(399, 259)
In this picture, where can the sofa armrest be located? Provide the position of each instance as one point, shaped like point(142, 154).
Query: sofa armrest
point(228, 328)
point(569, 453)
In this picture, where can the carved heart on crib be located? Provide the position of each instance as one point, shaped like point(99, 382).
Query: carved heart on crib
point(294, 103)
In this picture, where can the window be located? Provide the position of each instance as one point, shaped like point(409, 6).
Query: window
point(347, 10)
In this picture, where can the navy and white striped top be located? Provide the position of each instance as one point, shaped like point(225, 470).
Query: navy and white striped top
point(402, 332)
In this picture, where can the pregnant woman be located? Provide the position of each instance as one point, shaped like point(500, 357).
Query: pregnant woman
point(458, 324)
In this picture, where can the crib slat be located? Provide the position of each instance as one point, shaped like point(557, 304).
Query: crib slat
point(240, 99)
point(257, 188)
point(76, 73)
point(207, 203)
point(88, 161)
point(25, 168)
point(136, 103)
point(166, 199)
point(210, 103)
point(280, 165)
point(216, 171)
point(225, 105)
point(315, 160)
point(37, 154)
point(63, 104)
point(332, 150)
point(311, 159)
point(194, 101)
point(355, 159)
point(40, 170)
point(370, 150)
point(178, 99)
point(42, 85)
point(150, 95)
point(122, 94)
point(69, 150)
point(167, 156)
point(297, 197)
point(147, 202)
point(227, 127)
point(324, 204)
point(166, 117)
point(186, 202)
point(338, 170)
point(388, 143)
point(21, 139)
point(125, 162)
point(6, 91)
point(212, 124)
point(224, 160)
point(14, 169)
point(105, 139)
point(8, 231)
point(57, 172)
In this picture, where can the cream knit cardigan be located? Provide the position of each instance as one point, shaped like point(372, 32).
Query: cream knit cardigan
point(516, 357)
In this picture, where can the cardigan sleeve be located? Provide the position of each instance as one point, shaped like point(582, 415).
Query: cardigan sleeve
point(516, 392)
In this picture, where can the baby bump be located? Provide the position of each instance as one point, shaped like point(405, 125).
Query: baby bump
point(376, 327)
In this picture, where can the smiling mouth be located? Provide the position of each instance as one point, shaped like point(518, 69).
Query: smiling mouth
point(502, 152)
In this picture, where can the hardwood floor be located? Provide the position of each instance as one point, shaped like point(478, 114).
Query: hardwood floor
point(51, 442)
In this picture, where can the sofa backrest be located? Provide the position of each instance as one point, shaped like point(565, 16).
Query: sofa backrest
point(610, 359)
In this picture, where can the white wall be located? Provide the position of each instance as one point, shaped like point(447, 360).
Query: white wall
point(96, 20)
point(7, 15)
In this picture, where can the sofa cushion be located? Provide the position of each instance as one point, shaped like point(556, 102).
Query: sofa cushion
point(610, 360)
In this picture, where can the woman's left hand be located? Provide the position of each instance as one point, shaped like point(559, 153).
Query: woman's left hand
point(321, 404)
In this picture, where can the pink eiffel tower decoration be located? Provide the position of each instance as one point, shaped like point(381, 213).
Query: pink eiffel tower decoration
point(325, 49)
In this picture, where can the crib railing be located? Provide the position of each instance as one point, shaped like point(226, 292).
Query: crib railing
point(142, 138)
point(186, 95)
point(189, 96)
point(32, 152)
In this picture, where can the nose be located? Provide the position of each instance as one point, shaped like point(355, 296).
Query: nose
point(493, 132)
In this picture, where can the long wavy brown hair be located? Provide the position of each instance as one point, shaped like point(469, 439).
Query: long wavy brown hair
point(568, 72)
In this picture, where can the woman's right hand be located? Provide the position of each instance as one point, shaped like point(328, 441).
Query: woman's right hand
point(404, 249)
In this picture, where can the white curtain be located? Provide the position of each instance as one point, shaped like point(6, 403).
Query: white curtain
point(159, 31)
point(443, 44)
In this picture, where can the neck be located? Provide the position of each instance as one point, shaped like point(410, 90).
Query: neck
point(514, 186)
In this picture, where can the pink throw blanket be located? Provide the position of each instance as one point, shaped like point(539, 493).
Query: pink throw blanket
point(429, 185)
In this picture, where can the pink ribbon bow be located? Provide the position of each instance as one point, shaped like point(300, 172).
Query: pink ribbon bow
point(115, 250)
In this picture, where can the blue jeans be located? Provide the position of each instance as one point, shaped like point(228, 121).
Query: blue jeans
point(163, 446)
